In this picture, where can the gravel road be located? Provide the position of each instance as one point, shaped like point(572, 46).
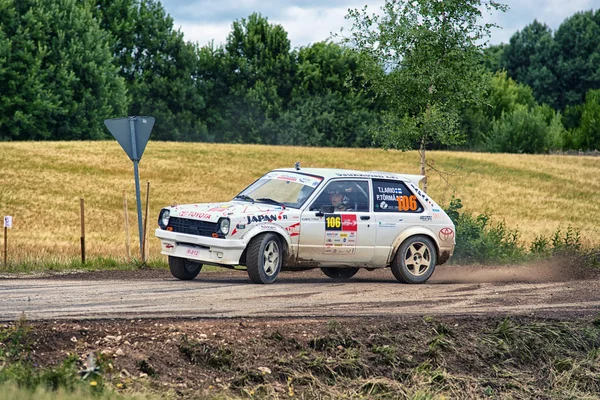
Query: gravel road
point(551, 288)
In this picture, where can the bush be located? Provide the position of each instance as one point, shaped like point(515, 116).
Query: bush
point(523, 130)
point(567, 244)
point(479, 240)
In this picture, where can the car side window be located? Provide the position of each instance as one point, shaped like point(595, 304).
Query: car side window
point(344, 195)
point(394, 196)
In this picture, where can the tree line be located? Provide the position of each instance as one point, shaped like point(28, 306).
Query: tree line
point(66, 65)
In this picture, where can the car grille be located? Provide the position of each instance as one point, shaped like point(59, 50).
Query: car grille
point(192, 226)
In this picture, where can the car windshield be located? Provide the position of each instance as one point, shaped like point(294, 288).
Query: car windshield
point(286, 188)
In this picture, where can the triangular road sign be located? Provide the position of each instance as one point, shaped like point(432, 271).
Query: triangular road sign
point(120, 128)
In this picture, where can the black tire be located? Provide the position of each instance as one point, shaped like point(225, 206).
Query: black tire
point(415, 260)
point(264, 258)
point(184, 269)
point(340, 273)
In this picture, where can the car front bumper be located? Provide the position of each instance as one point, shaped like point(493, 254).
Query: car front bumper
point(204, 249)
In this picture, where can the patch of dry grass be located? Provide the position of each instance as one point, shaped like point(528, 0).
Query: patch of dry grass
point(41, 184)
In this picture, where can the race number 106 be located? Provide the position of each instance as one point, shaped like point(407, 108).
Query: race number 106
point(407, 203)
point(333, 222)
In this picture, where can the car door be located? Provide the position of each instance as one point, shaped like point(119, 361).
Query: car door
point(396, 208)
point(344, 236)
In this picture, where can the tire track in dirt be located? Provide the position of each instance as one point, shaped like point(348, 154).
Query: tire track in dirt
point(550, 287)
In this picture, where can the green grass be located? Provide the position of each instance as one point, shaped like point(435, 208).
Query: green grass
point(94, 264)
point(418, 358)
point(12, 392)
point(42, 184)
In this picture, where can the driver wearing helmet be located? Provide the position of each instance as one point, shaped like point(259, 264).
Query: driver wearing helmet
point(337, 196)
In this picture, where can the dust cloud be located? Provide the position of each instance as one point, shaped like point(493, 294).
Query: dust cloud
point(562, 269)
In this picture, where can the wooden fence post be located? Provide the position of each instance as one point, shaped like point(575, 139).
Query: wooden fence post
point(127, 238)
point(82, 207)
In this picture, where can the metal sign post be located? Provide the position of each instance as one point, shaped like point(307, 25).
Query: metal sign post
point(133, 133)
point(136, 175)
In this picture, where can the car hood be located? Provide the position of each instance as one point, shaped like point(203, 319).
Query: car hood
point(212, 212)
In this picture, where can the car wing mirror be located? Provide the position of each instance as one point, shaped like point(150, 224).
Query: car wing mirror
point(325, 209)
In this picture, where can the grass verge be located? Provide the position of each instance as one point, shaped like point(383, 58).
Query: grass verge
point(376, 358)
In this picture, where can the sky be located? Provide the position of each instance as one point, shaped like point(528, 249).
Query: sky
point(311, 21)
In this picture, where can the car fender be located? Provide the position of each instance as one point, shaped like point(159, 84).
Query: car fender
point(263, 228)
point(412, 231)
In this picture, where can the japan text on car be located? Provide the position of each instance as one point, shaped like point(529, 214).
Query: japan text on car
point(303, 218)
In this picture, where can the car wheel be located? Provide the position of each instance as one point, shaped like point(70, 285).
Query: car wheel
point(184, 269)
point(264, 258)
point(340, 273)
point(415, 260)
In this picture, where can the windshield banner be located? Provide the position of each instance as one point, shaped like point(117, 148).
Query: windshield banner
point(302, 179)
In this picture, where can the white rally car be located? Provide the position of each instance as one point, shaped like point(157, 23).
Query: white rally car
point(302, 218)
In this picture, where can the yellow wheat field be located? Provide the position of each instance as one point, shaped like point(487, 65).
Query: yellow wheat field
point(41, 184)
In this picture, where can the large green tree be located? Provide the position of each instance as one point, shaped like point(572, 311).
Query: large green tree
point(529, 58)
point(577, 63)
point(431, 54)
point(559, 67)
point(330, 105)
point(501, 98)
point(158, 65)
point(510, 120)
point(587, 134)
point(252, 81)
point(57, 80)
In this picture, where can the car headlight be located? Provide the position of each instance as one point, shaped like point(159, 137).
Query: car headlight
point(224, 226)
point(163, 218)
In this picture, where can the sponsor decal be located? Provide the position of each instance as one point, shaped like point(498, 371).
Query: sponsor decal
point(421, 194)
point(388, 190)
point(349, 223)
point(340, 238)
point(446, 234)
point(220, 208)
point(407, 203)
point(287, 178)
point(302, 179)
point(384, 224)
point(265, 218)
point(194, 214)
point(341, 222)
point(388, 197)
point(340, 243)
point(344, 250)
point(356, 175)
point(192, 252)
point(425, 218)
point(294, 229)
point(268, 227)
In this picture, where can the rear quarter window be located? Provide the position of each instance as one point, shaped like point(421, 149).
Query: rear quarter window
point(394, 196)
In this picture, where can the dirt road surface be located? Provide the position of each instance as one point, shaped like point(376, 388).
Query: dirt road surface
point(453, 290)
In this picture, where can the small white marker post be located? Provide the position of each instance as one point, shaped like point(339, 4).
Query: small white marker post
point(7, 224)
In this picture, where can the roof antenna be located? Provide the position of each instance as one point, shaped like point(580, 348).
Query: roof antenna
point(297, 165)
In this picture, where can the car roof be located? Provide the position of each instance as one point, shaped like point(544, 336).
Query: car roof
point(329, 173)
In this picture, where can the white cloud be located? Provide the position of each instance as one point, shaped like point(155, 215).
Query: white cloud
point(523, 12)
point(310, 21)
point(203, 33)
point(305, 21)
point(323, 23)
